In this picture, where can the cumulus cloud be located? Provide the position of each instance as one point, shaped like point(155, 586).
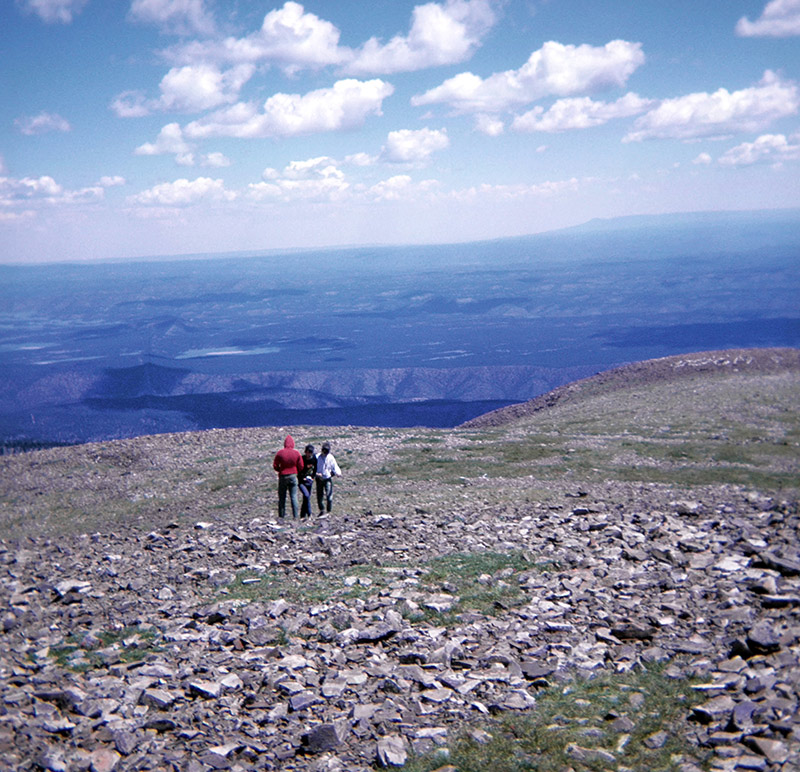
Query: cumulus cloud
point(767, 149)
point(723, 112)
point(52, 11)
point(294, 39)
point(391, 189)
point(288, 36)
point(580, 113)
point(44, 185)
point(130, 104)
point(490, 125)
point(361, 159)
point(182, 17)
point(215, 160)
point(170, 140)
point(43, 123)
point(195, 88)
point(779, 19)
point(188, 89)
point(345, 105)
point(554, 70)
point(414, 146)
point(44, 190)
point(111, 181)
point(440, 34)
point(315, 179)
point(184, 192)
point(702, 160)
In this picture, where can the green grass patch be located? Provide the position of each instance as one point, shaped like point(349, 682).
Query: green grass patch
point(690, 476)
point(582, 715)
point(226, 479)
point(484, 582)
point(132, 644)
point(309, 588)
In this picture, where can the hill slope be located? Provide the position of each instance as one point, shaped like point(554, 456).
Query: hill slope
point(752, 362)
point(158, 614)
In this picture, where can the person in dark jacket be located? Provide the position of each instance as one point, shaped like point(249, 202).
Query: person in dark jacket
point(288, 463)
point(307, 479)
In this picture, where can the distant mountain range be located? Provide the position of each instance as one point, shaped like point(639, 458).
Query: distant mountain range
point(393, 336)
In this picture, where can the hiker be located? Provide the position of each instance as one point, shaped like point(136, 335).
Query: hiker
point(288, 463)
point(307, 479)
point(327, 469)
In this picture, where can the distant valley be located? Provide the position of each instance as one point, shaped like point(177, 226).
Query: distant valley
point(382, 336)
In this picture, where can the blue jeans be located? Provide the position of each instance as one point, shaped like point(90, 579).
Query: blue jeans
point(325, 491)
point(305, 490)
point(287, 482)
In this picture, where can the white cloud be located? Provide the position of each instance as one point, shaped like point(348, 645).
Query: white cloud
point(188, 89)
point(768, 148)
point(42, 123)
point(170, 140)
point(554, 70)
point(345, 105)
point(294, 39)
point(315, 179)
point(181, 17)
point(184, 192)
point(195, 88)
point(580, 113)
point(131, 104)
point(391, 189)
point(414, 146)
point(702, 160)
point(545, 189)
point(43, 190)
point(51, 11)
point(111, 181)
point(361, 159)
point(289, 36)
point(779, 19)
point(489, 125)
point(215, 160)
point(440, 34)
point(25, 214)
point(720, 113)
point(44, 185)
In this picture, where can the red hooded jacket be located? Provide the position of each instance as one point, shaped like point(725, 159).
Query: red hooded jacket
point(288, 460)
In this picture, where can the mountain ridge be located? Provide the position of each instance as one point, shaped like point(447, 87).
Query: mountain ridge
point(677, 366)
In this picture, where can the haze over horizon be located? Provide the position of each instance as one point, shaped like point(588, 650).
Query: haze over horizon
point(135, 128)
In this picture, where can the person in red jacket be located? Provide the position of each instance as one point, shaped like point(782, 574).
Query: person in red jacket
point(288, 463)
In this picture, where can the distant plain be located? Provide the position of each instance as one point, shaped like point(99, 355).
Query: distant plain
point(384, 336)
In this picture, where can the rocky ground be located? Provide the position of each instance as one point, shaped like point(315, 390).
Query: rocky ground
point(133, 651)
point(157, 616)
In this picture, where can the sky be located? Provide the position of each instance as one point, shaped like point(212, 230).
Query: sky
point(132, 128)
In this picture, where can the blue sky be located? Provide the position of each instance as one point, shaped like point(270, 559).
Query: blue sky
point(159, 127)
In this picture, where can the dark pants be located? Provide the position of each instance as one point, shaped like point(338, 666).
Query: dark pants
point(287, 482)
point(325, 491)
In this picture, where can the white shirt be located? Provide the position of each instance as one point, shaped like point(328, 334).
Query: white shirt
point(327, 466)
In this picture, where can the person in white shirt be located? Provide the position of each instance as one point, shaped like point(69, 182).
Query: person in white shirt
point(327, 469)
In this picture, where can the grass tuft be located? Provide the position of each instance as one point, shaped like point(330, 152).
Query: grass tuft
point(610, 722)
